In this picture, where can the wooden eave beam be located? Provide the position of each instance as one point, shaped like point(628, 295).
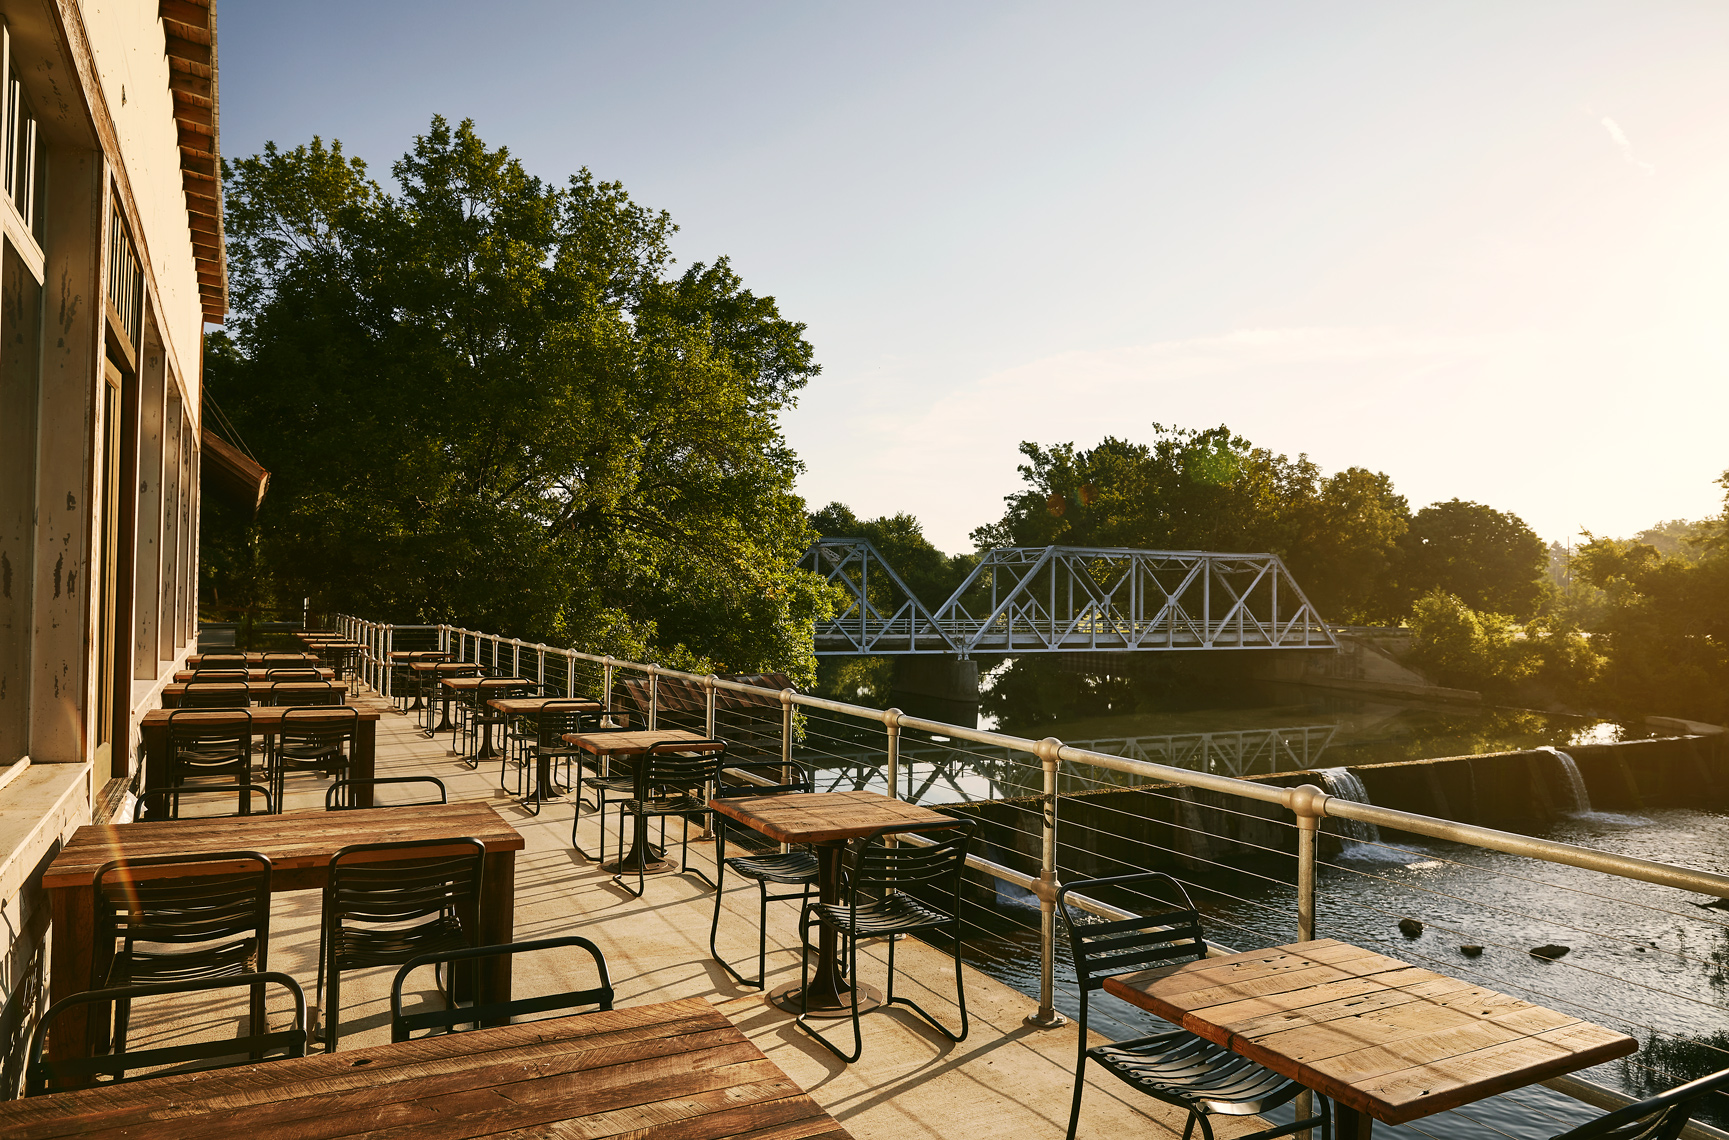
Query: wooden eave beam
point(194, 88)
point(195, 141)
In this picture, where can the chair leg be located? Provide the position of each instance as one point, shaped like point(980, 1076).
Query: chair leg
point(803, 1019)
point(960, 993)
point(1080, 1085)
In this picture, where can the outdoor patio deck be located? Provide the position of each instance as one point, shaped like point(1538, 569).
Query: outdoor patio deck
point(1006, 1079)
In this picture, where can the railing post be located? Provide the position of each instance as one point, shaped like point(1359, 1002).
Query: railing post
point(1308, 803)
point(516, 657)
point(389, 677)
point(540, 664)
point(708, 719)
point(1049, 753)
point(653, 697)
point(786, 736)
point(892, 722)
point(606, 682)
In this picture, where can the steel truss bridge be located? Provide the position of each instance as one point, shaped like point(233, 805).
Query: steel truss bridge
point(1068, 599)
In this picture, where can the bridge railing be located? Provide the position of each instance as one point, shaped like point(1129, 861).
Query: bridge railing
point(1268, 860)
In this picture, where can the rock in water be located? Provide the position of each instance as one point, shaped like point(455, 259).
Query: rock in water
point(1550, 952)
point(1410, 927)
point(1471, 951)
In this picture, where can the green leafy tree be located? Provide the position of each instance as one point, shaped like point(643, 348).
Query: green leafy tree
point(1213, 490)
point(489, 400)
point(1487, 558)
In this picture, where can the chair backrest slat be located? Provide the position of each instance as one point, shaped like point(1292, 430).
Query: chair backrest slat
point(44, 1076)
point(1102, 949)
point(402, 1025)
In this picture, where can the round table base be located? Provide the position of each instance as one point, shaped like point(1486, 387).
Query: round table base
point(652, 867)
point(787, 998)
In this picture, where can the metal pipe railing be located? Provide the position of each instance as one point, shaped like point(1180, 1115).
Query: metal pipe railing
point(1307, 804)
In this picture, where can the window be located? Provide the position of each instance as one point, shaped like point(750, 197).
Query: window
point(125, 279)
point(21, 164)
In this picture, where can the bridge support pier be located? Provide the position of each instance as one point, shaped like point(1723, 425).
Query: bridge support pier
point(937, 687)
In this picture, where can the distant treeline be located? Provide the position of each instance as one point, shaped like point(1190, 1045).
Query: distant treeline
point(1636, 625)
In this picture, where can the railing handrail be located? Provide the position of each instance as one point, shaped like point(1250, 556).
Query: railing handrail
point(1302, 800)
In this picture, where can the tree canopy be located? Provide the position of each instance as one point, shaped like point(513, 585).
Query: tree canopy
point(490, 400)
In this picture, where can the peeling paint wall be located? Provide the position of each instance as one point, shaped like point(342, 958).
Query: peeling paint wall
point(20, 325)
point(62, 657)
point(148, 546)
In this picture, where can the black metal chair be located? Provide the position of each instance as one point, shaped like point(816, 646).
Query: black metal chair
point(223, 656)
point(296, 673)
point(316, 738)
point(1662, 1117)
point(603, 782)
point(1173, 1066)
point(317, 692)
point(878, 906)
point(164, 803)
point(213, 923)
point(795, 868)
point(43, 1076)
point(479, 716)
point(374, 890)
point(340, 795)
point(206, 744)
point(206, 694)
point(497, 1012)
point(673, 779)
point(545, 743)
point(206, 673)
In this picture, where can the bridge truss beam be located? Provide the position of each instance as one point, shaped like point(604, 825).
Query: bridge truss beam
point(1067, 599)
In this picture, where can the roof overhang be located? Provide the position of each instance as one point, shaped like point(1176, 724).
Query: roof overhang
point(189, 27)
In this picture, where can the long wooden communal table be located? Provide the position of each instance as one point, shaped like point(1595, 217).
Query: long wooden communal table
point(630, 746)
point(677, 1069)
point(254, 690)
point(266, 721)
point(1384, 1039)
point(299, 846)
point(826, 820)
point(255, 660)
point(254, 673)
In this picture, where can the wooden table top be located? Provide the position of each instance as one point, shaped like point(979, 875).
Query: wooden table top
point(465, 684)
point(1382, 1036)
point(256, 674)
point(417, 654)
point(265, 718)
point(677, 1068)
point(827, 817)
point(523, 706)
point(444, 666)
point(256, 688)
point(292, 839)
point(288, 660)
point(633, 743)
point(324, 645)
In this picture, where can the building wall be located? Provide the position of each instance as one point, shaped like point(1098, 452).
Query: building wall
point(99, 453)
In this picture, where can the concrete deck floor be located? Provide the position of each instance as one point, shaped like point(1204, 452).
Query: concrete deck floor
point(1005, 1080)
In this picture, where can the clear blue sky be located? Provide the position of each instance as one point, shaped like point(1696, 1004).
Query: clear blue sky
point(1481, 247)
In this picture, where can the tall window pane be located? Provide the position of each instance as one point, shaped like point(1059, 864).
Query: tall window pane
point(20, 371)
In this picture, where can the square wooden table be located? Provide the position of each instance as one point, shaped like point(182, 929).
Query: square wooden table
point(630, 746)
point(452, 686)
point(443, 669)
point(530, 707)
point(299, 846)
point(1384, 1039)
point(266, 721)
point(676, 1069)
point(826, 820)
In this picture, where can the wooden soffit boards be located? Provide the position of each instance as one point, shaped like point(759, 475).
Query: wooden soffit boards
point(234, 473)
point(189, 34)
